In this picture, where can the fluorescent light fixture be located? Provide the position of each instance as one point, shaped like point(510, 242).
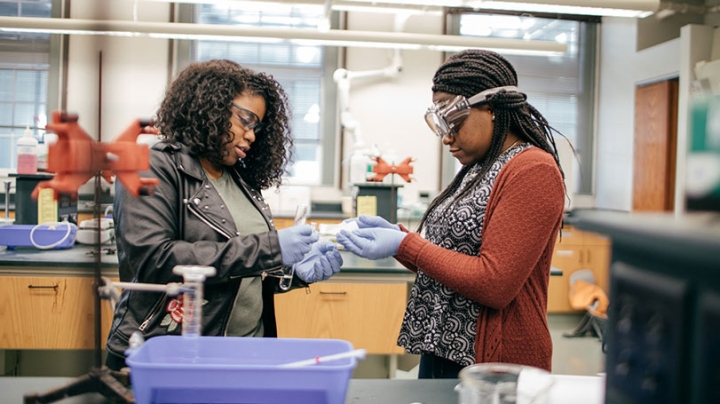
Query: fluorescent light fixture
point(610, 8)
point(371, 39)
point(355, 6)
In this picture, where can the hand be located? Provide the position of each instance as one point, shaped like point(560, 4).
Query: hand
point(295, 242)
point(322, 262)
point(369, 222)
point(374, 243)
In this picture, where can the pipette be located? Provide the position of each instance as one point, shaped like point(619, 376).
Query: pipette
point(357, 353)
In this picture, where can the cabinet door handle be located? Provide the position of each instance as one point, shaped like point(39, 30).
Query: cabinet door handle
point(54, 287)
point(333, 293)
point(582, 257)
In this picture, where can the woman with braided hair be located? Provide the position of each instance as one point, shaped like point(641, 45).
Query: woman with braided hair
point(483, 247)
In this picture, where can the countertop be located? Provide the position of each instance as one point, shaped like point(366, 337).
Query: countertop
point(81, 259)
point(566, 390)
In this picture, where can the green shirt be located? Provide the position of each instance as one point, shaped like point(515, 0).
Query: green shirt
point(245, 318)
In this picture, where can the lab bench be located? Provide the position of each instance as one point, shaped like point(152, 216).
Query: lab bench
point(50, 302)
point(49, 290)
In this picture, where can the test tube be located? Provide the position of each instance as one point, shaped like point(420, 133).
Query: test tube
point(301, 213)
point(193, 279)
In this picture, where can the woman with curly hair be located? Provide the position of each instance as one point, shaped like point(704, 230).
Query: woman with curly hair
point(225, 136)
point(483, 248)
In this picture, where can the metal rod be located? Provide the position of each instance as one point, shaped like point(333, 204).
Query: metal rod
point(8, 185)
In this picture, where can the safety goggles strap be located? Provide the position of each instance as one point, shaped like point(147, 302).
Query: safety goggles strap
point(484, 95)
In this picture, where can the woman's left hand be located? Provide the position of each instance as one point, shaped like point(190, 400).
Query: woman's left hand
point(322, 262)
point(372, 243)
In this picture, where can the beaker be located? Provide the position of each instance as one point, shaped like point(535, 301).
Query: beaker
point(503, 383)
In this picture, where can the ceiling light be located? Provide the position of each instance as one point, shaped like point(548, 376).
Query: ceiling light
point(372, 39)
point(610, 8)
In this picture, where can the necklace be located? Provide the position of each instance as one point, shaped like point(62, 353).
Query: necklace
point(510, 147)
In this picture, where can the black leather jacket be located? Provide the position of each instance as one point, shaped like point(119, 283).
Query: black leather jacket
point(184, 222)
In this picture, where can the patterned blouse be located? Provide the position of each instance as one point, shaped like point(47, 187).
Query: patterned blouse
point(437, 319)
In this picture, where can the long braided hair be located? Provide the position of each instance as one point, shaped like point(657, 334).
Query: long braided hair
point(475, 70)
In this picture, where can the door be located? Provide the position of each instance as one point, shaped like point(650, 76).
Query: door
point(655, 146)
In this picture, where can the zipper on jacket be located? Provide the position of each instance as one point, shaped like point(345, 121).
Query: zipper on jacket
point(154, 311)
point(199, 215)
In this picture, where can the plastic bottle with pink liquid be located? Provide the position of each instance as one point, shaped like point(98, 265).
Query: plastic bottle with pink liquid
point(27, 153)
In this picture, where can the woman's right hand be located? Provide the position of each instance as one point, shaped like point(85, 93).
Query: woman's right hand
point(295, 242)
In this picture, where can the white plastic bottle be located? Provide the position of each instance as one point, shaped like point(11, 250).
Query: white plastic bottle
point(43, 151)
point(27, 153)
point(359, 163)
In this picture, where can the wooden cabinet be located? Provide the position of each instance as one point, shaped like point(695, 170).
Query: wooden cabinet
point(366, 314)
point(576, 250)
point(46, 312)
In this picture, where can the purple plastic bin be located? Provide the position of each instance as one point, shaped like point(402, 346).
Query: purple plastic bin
point(175, 369)
point(46, 236)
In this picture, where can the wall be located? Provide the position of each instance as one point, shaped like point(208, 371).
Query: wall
point(391, 111)
point(621, 70)
point(135, 73)
point(134, 70)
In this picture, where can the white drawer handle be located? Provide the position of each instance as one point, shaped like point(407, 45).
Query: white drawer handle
point(564, 252)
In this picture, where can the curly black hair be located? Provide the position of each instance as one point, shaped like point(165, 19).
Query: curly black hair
point(196, 112)
point(472, 71)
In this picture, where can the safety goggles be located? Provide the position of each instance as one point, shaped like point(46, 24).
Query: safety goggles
point(248, 119)
point(446, 118)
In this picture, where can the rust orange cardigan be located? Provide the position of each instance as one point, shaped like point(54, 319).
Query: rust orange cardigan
point(510, 275)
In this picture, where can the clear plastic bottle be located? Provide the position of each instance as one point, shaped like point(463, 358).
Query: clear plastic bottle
point(27, 153)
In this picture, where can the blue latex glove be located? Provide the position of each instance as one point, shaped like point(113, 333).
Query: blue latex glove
point(322, 262)
point(295, 242)
point(374, 244)
point(368, 222)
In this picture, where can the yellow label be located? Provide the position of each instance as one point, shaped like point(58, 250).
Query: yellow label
point(47, 206)
point(367, 205)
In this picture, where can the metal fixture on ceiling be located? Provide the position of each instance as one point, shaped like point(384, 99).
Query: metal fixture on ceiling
point(372, 39)
point(622, 8)
point(616, 8)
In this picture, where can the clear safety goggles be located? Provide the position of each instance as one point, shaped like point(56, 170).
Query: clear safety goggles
point(248, 119)
point(446, 117)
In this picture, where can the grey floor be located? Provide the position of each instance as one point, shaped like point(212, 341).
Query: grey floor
point(574, 356)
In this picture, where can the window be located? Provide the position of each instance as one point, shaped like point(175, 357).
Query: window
point(560, 87)
point(304, 71)
point(24, 70)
